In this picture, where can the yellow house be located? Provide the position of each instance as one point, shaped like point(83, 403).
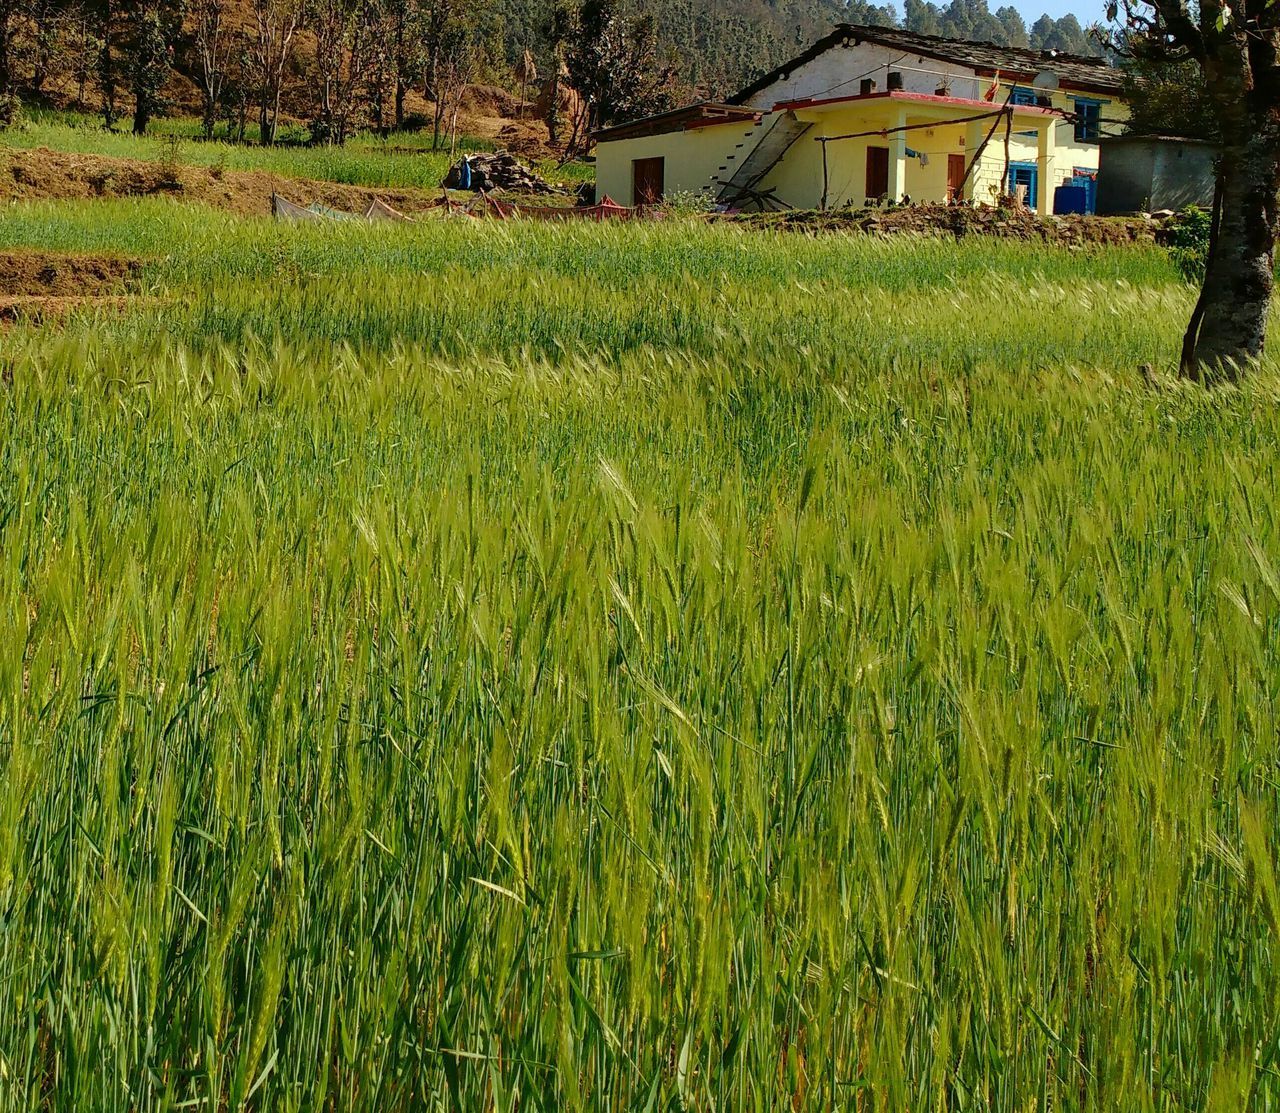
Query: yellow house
point(874, 113)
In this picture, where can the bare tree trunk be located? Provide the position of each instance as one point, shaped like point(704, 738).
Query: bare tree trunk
point(553, 104)
point(453, 121)
point(275, 108)
point(107, 72)
point(6, 34)
point(211, 55)
point(82, 76)
point(437, 100)
point(1187, 362)
point(1240, 273)
point(399, 108)
point(1229, 326)
point(47, 33)
point(277, 22)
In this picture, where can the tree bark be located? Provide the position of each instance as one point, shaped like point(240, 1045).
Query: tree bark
point(107, 74)
point(275, 107)
point(46, 30)
point(1228, 329)
point(1239, 276)
point(6, 66)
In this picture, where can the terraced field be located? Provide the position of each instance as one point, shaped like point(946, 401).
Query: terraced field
point(480, 665)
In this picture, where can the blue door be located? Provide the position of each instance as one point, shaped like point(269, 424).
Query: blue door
point(1025, 174)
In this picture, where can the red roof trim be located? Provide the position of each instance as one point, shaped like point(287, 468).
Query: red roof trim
point(702, 114)
point(693, 125)
point(915, 98)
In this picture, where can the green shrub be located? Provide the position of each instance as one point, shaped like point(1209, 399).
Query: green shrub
point(688, 203)
point(1188, 241)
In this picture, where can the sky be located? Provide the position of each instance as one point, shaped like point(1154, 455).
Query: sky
point(1086, 11)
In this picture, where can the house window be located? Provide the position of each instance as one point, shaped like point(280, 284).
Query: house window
point(1031, 98)
point(1088, 120)
point(1025, 174)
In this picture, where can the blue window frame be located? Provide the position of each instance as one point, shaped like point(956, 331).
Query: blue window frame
point(1023, 96)
point(1025, 174)
point(1086, 178)
point(1088, 119)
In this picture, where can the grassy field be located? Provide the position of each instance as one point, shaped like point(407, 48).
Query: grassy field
point(523, 667)
point(400, 161)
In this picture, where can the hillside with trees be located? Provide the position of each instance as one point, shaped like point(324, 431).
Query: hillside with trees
point(720, 47)
point(337, 66)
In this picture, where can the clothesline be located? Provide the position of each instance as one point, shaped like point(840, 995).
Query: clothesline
point(1004, 110)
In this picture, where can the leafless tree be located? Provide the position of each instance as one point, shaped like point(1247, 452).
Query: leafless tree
point(8, 21)
point(276, 23)
point(212, 47)
point(105, 13)
point(451, 54)
point(405, 50)
point(344, 31)
point(84, 49)
point(50, 21)
point(527, 74)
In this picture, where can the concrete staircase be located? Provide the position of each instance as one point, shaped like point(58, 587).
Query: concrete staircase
point(773, 137)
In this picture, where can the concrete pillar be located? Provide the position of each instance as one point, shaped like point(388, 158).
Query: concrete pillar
point(898, 156)
point(974, 133)
point(1046, 149)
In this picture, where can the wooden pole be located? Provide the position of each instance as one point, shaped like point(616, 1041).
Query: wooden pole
point(968, 173)
point(825, 178)
point(1008, 129)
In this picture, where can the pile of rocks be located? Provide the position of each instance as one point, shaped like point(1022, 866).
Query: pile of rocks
point(1005, 222)
point(485, 173)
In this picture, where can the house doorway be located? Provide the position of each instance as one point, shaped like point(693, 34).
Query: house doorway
point(877, 172)
point(955, 177)
point(1026, 175)
point(648, 180)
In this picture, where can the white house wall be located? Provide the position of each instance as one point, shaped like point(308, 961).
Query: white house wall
point(838, 72)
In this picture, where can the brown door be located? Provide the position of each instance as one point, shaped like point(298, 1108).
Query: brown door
point(955, 176)
point(877, 172)
point(648, 180)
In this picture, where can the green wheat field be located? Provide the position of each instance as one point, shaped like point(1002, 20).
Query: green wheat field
point(501, 666)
